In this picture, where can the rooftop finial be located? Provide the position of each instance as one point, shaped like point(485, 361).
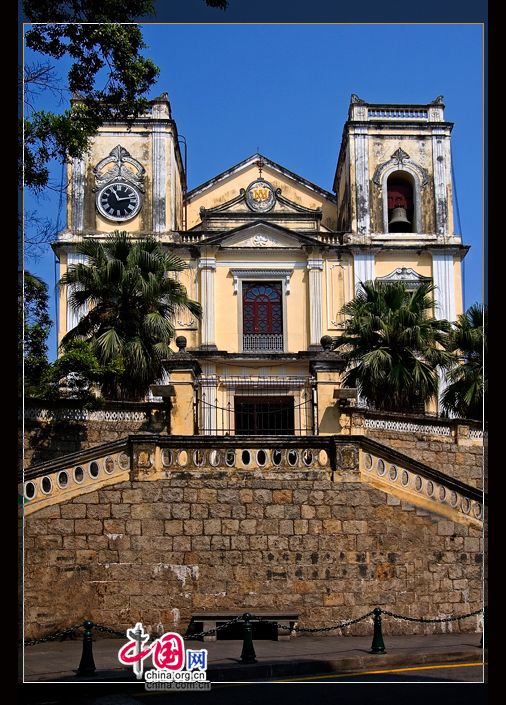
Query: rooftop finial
point(260, 164)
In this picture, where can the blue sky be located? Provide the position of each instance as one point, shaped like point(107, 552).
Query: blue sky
point(284, 90)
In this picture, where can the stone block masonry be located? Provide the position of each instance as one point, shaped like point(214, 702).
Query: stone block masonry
point(330, 550)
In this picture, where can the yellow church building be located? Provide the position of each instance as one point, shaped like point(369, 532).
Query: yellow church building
point(273, 257)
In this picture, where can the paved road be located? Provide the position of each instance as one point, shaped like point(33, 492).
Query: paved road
point(457, 673)
point(457, 684)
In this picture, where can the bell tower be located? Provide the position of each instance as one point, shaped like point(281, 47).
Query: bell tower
point(132, 178)
point(395, 197)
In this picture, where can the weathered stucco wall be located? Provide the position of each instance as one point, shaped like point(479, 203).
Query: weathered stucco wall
point(330, 550)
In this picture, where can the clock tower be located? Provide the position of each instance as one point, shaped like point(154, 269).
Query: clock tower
point(132, 178)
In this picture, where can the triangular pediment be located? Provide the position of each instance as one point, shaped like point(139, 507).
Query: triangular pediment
point(255, 189)
point(261, 235)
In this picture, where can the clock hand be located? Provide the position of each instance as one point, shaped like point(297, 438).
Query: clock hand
point(125, 198)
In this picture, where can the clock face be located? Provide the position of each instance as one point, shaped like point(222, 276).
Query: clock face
point(118, 201)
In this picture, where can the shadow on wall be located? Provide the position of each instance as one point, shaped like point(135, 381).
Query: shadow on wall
point(329, 422)
point(47, 440)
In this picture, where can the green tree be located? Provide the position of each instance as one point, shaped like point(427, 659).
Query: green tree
point(107, 73)
point(132, 300)
point(467, 383)
point(76, 374)
point(393, 346)
point(34, 325)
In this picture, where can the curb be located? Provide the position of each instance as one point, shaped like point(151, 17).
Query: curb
point(344, 665)
point(304, 667)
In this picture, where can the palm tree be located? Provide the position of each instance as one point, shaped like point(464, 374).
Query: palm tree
point(467, 384)
point(393, 346)
point(132, 302)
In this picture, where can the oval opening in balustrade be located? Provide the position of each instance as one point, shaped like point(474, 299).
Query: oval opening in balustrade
point(199, 458)
point(166, 457)
point(293, 456)
point(392, 472)
point(465, 505)
point(404, 477)
point(230, 458)
point(109, 465)
point(477, 510)
point(214, 458)
point(276, 456)
point(430, 488)
point(182, 458)
point(63, 479)
point(261, 457)
point(46, 485)
point(93, 469)
point(368, 461)
point(29, 490)
point(442, 494)
point(453, 499)
point(418, 483)
point(380, 467)
point(246, 457)
point(124, 461)
point(307, 457)
point(323, 458)
point(78, 474)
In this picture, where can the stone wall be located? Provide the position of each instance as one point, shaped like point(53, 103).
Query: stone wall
point(53, 431)
point(457, 454)
point(155, 551)
point(464, 463)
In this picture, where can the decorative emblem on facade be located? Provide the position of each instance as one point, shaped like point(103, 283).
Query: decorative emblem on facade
point(407, 275)
point(124, 168)
point(400, 156)
point(260, 241)
point(260, 196)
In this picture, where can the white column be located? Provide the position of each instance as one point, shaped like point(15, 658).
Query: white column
point(362, 180)
point(172, 186)
point(209, 399)
point(441, 179)
point(442, 276)
point(315, 267)
point(159, 178)
point(363, 267)
point(207, 265)
point(73, 317)
point(77, 195)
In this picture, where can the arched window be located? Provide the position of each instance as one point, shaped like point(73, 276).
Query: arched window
point(262, 316)
point(401, 203)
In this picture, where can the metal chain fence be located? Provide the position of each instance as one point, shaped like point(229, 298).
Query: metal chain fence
point(422, 620)
point(70, 631)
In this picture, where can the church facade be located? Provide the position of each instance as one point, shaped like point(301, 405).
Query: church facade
point(272, 257)
point(256, 485)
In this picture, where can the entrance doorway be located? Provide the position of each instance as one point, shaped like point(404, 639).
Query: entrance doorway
point(264, 416)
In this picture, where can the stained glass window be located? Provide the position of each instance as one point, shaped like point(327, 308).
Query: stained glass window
point(262, 314)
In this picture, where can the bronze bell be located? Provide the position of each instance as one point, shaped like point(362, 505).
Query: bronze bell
point(399, 219)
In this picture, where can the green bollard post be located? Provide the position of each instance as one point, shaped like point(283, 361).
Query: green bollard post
point(248, 651)
point(378, 645)
point(87, 665)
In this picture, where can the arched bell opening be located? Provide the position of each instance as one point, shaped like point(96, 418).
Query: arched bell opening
point(401, 203)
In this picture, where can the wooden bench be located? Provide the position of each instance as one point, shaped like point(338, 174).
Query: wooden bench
point(211, 620)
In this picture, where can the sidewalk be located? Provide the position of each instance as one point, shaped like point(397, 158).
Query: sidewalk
point(301, 656)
